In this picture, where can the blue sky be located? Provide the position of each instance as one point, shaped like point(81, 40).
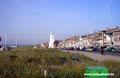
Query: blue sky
point(33, 20)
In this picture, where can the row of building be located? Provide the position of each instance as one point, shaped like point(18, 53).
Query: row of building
point(108, 37)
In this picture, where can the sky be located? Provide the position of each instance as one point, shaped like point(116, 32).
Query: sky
point(32, 21)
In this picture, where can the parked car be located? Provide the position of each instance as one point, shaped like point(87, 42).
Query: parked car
point(90, 49)
point(96, 49)
point(62, 48)
point(77, 48)
point(71, 48)
point(111, 49)
point(82, 49)
point(118, 50)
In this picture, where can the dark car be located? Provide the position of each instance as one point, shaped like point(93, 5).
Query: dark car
point(96, 49)
point(77, 48)
point(70, 48)
point(83, 49)
point(118, 50)
point(111, 49)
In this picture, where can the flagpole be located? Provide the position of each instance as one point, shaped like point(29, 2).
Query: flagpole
point(6, 41)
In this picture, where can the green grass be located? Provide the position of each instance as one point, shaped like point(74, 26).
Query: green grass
point(27, 62)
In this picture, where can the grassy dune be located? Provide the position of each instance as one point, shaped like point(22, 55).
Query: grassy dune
point(27, 62)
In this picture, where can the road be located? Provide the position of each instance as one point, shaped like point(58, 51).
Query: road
point(98, 56)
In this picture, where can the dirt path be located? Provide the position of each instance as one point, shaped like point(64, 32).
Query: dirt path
point(97, 56)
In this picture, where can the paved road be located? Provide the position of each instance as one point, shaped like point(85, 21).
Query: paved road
point(98, 56)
